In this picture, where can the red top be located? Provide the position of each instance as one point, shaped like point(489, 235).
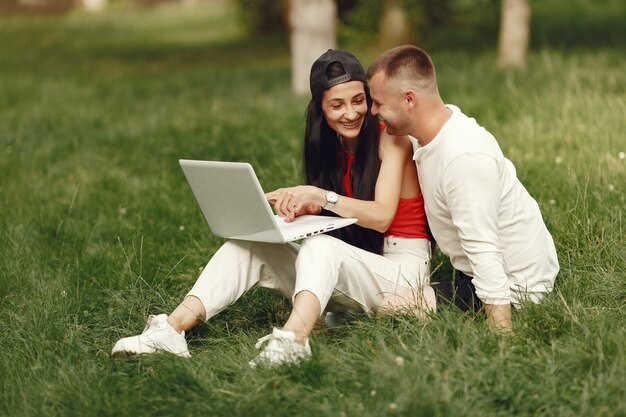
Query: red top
point(410, 219)
point(347, 184)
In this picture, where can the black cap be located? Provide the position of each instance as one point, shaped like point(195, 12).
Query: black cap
point(353, 68)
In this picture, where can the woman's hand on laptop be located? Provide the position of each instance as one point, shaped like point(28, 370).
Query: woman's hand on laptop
point(302, 209)
point(292, 202)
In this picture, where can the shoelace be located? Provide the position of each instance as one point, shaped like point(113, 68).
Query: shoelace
point(152, 321)
point(268, 338)
point(264, 339)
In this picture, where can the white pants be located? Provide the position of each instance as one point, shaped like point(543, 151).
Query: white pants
point(341, 276)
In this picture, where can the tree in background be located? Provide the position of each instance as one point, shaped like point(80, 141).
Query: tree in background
point(312, 26)
point(514, 33)
point(394, 26)
point(94, 5)
point(312, 31)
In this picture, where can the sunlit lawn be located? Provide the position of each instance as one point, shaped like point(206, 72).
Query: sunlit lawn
point(99, 229)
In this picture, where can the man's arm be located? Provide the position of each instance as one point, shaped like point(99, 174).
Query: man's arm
point(472, 190)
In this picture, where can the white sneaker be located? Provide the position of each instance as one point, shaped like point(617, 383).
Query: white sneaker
point(281, 348)
point(158, 335)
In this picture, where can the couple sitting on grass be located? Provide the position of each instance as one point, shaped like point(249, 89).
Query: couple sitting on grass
point(479, 213)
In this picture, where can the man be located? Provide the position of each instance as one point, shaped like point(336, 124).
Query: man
point(481, 216)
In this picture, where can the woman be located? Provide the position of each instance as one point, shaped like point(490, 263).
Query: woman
point(353, 169)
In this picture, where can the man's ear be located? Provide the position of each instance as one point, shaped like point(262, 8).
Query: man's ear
point(410, 98)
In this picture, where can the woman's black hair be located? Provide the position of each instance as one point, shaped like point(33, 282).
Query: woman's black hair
point(325, 161)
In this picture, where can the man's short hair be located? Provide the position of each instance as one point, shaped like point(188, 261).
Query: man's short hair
point(406, 60)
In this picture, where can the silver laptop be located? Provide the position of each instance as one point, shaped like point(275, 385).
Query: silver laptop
point(234, 205)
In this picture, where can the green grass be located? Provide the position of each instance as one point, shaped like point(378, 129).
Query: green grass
point(99, 229)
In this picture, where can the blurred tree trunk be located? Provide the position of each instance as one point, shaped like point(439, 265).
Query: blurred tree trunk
point(394, 27)
point(312, 31)
point(514, 33)
point(94, 5)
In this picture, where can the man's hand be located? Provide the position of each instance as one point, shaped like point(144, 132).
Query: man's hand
point(499, 317)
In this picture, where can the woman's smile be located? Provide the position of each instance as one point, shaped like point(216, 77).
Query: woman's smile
point(352, 125)
point(345, 107)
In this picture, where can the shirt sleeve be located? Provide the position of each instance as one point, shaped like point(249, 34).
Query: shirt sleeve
point(471, 188)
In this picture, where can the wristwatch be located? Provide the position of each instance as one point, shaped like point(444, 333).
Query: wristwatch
point(331, 200)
